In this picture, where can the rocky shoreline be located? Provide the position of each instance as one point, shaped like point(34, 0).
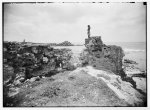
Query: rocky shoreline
point(44, 76)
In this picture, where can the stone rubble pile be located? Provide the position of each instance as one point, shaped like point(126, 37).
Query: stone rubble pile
point(26, 61)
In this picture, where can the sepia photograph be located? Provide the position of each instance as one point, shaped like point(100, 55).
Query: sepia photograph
point(74, 54)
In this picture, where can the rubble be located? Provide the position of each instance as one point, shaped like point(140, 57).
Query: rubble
point(103, 56)
point(26, 64)
point(31, 61)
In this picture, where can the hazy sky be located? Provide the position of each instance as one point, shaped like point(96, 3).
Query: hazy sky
point(57, 22)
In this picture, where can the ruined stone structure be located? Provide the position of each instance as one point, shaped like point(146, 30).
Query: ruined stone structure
point(35, 60)
point(103, 56)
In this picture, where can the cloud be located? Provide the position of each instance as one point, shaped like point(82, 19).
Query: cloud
point(56, 22)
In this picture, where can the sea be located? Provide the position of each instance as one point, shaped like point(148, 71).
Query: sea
point(135, 51)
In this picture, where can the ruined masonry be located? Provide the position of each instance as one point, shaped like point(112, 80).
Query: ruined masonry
point(30, 61)
point(103, 56)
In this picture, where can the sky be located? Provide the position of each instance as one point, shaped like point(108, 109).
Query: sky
point(58, 22)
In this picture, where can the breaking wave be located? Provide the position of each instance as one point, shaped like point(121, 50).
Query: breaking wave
point(133, 50)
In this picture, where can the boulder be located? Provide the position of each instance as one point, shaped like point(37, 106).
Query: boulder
point(34, 79)
point(45, 59)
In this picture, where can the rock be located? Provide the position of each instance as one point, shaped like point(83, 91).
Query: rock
point(103, 56)
point(13, 92)
point(7, 81)
point(84, 57)
point(43, 76)
point(140, 83)
point(33, 79)
point(22, 80)
point(9, 74)
point(17, 82)
point(129, 61)
point(45, 59)
point(35, 60)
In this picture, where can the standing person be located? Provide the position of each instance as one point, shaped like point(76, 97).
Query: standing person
point(88, 31)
